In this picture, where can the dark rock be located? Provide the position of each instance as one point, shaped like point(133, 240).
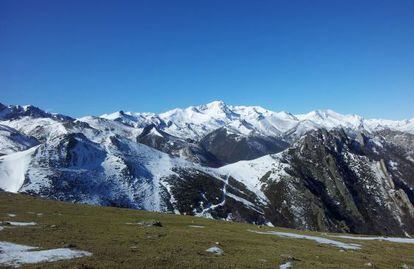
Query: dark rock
point(69, 245)
point(149, 223)
point(229, 147)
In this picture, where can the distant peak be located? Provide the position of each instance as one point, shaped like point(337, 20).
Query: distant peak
point(321, 114)
point(324, 112)
point(217, 103)
point(215, 106)
point(286, 115)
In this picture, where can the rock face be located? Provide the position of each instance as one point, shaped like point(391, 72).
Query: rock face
point(229, 147)
point(336, 183)
point(319, 171)
point(186, 148)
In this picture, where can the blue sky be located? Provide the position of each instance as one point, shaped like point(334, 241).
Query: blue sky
point(91, 57)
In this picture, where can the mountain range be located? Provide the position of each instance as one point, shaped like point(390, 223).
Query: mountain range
point(318, 171)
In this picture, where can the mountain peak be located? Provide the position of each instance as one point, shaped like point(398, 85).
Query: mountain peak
point(216, 103)
point(323, 113)
point(320, 114)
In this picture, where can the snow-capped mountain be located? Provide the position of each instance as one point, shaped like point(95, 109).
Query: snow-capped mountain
point(196, 121)
point(247, 132)
point(321, 171)
point(330, 181)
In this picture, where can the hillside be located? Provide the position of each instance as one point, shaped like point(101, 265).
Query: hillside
point(120, 238)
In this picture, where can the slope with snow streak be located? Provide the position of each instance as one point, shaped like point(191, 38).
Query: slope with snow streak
point(13, 169)
point(251, 172)
point(205, 213)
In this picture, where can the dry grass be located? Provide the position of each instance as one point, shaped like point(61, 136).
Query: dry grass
point(115, 244)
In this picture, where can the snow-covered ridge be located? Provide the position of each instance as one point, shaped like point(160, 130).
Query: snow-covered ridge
point(12, 140)
point(196, 121)
point(13, 168)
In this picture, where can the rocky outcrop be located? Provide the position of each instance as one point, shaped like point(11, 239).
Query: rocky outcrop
point(229, 147)
point(335, 183)
point(185, 148)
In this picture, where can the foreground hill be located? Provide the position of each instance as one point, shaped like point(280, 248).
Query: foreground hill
point(121, 238)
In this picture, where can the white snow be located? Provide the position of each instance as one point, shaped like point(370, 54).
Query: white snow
point(13, 169)
point(11, 215)
point(286, 265)
point(215, 250)
point(320, 240)
point(196, 226)
point(19, 223)
point(16, 255)
point(242, 200)
point(379, 238)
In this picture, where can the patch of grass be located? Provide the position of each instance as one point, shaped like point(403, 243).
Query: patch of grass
point(115, 244)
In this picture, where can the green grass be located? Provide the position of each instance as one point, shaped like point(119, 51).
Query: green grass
point(114, 244)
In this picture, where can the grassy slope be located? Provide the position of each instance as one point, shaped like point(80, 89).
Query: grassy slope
point(104, 232)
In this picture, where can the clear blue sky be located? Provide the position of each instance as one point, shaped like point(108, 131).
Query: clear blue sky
point(91, 57)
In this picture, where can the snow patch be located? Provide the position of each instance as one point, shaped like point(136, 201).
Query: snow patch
point(317, 239)
point(286, 265)
point(16, 255)
point(18, 223)
point(215, 250)
point(244, 201)
point(196, 226)
point(379, 238)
